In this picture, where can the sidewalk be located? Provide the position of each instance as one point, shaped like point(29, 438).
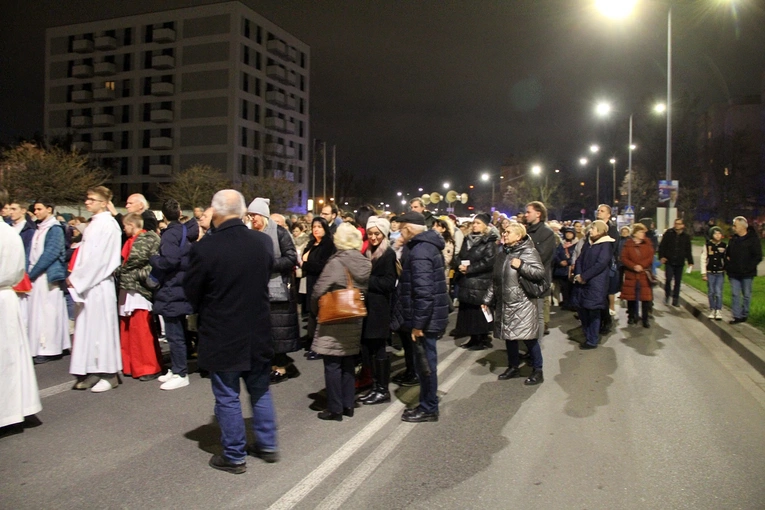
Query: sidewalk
point(746, 340)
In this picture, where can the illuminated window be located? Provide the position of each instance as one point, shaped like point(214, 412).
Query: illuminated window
point(109, 85)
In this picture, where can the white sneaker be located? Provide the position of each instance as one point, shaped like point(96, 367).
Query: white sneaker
point(102, 386)
point(166, 377)
point(718, 315)
point(175, 382)
point(712, 314)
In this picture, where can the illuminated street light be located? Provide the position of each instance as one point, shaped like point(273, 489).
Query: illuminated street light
point(613, 164)
point(612, 161)
point(583, 161)
point(594, 148)
point(616, 9)
point(633, 147)
point(446, 185)
point(660, 108)
point(536, 169)
point(398, 193)
point(403, 202)
point(602, 109)
point(485, 177)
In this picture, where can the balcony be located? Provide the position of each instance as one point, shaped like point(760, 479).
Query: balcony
point(292, 79)
point(275, 123)
point(161, 143)
point(277, 73)
point(103, 94)
point(160, 88)
point(277, 47)
point(161, 116)
point(162, 62)
point(289, 152)
point(164, 35)
point(106, 43)
point(103, 120)
point(81, 146)
point(104, 69)
point(275, 149)
point(82, 71)
point(82, 96)
point(103, 146)
point(289, 128)
point(82, 46)
point(161, 170)
point(276, 97)
point(81, 121)
point(291, 103)
point(292, 54)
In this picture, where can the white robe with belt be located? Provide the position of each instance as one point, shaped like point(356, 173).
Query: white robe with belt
point(96, 348)
point(48, 319)
point(19, 395)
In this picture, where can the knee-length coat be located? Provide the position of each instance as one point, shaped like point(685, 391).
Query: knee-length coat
point(637, 254)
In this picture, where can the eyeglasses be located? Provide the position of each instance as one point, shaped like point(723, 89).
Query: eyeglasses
point(91, 199)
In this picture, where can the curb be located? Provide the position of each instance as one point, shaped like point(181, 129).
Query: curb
point(746, 340)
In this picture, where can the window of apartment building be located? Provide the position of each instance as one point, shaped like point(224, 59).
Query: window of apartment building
point(125, 114)
point(246, 28)
point(302, 106)
point(145, 165)
point(124, 166)
point(125, 88)
point(166, 132)
point(166, 159)
point(300, 175)
point(256, 140)
point(146, 112)
point(108, 110)
point(169, 24)
point(302, 60)
point(123, 192)
point(245, 107)
point(125, 140)
point(243, 139)
point(126, 62)
point(300, 153)
point(147, 60)
point(127, 37)
point(110, 59)
point(148, 33)
point(245, 82)
point(300, 196)
point(110, 85)
point(257, 60)
point(257, 87)
point(259, 35)
point(108, 136)
point(300, 129)
point(146, 139)
point(243, 164)
point(246, 54)
point(256, 117)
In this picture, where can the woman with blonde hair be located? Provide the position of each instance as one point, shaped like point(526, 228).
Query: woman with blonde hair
point(339, 342)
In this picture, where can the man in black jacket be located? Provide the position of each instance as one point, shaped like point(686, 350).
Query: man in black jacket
point(425, 307)
point(674, 251)
point(544, 241)
point(227, 284)
point(743, 254)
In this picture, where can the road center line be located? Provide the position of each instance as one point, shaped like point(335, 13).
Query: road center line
point(339, 495)
point(55, 390)
point(334, 461)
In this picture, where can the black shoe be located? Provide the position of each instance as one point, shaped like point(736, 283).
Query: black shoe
point(276, 377)
point(329, 415)
point(39, 360)
point(469, 344)
point(419, 416)
point(666, 300)
point(412, 380)
point(379, 396)
point(587, 346)
point(632, 320)
point(536, 377)
point(476, 347)
point(366, 395)
point(675, 302)
point(348, 411)
point(401, 377)
point(265, 456)
point(737, 320)
point(646, 324)
point(222, 463)
point(313, 355)
point(510, 373)
point(149, 377)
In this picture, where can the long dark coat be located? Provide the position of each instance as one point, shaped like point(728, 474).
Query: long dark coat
point(382, 286)
point(284, 317)
point(227, 284)
point(593, 264)
point(516, 316)
point(634, 254)
point(477, 279)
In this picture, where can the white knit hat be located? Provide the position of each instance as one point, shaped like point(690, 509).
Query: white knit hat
point(260, 206)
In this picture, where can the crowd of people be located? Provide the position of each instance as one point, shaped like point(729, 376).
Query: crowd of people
point(231, 284)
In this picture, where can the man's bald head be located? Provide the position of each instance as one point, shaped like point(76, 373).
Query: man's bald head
point(136, 203)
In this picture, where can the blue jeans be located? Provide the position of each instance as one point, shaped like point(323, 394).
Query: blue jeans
point(740, 286)
point(514, 356)
point(715, 290)
point(429, 384)
point(672, 273)
point(228, 411)
point(590, 325)
point(176, 338)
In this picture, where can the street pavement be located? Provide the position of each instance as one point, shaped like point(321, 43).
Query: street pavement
point(666, 417)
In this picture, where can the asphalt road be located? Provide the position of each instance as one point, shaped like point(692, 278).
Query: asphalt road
point(662, 418)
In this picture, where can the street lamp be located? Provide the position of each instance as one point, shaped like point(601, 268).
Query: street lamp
point(446, 185)
point(536, 169)
point(594, 148)
point(613, 164)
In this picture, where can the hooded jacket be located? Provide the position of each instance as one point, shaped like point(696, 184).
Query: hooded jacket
point(743, 254)
point(172, 261)
point(422, 287)
point(476, 281)
point(340, 338)
point(516, 316)
point(132, 274)
point(593, 266)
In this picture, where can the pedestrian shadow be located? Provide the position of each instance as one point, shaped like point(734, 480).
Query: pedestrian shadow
point(494, 359)
point(207, 436)
point(585, 377)
point(469, 434)
point(645, 341)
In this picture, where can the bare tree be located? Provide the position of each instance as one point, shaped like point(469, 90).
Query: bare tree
point(281, 192)
point(195, 186)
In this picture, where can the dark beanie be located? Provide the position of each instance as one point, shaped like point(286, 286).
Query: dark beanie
point(483, 217)
point(713, 230)
point(412, 217)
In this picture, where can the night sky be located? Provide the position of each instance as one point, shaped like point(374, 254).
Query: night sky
point(441, 90)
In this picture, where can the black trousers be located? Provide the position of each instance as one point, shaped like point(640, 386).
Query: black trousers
point(339, 377)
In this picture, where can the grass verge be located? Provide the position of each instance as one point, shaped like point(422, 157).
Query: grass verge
point(756, 307)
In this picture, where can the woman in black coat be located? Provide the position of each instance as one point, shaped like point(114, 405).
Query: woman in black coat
point(376, 330)
point(319, 249)
point(480, 249)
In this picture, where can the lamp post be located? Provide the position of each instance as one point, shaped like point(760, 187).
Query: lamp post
point(613, 165)
point(594, 149)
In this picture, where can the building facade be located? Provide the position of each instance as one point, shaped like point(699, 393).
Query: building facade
point(150, 95)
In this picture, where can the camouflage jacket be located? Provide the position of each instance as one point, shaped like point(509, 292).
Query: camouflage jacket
point(133, 272)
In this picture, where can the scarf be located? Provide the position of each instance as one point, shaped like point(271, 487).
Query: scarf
point(129, 246)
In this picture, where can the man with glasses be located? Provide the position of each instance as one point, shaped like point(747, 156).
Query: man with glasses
point(674, 251)
point(96, 354)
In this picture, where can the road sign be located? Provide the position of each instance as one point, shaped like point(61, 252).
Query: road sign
point(629, 210)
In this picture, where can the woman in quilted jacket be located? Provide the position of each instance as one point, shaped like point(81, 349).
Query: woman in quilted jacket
point(516, 315)
point(637, 257)
point(479, 250)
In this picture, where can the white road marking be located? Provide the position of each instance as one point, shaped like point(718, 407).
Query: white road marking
point(334, 461)
point(55, 390)
point(340, 494)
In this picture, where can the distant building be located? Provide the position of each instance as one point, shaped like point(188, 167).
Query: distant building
point(152, 94)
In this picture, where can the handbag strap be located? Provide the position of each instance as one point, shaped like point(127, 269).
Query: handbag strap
point(349, 279)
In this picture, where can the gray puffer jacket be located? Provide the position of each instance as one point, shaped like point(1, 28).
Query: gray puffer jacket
point(341, 338)
point(516, 316)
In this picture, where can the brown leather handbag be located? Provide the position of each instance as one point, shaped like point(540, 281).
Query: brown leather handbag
point(342, 304)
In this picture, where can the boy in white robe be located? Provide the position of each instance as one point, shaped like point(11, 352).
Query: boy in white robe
point(19, 396)
point(96, 356)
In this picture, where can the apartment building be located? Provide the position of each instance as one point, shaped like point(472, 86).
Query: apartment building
point(152, 94)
